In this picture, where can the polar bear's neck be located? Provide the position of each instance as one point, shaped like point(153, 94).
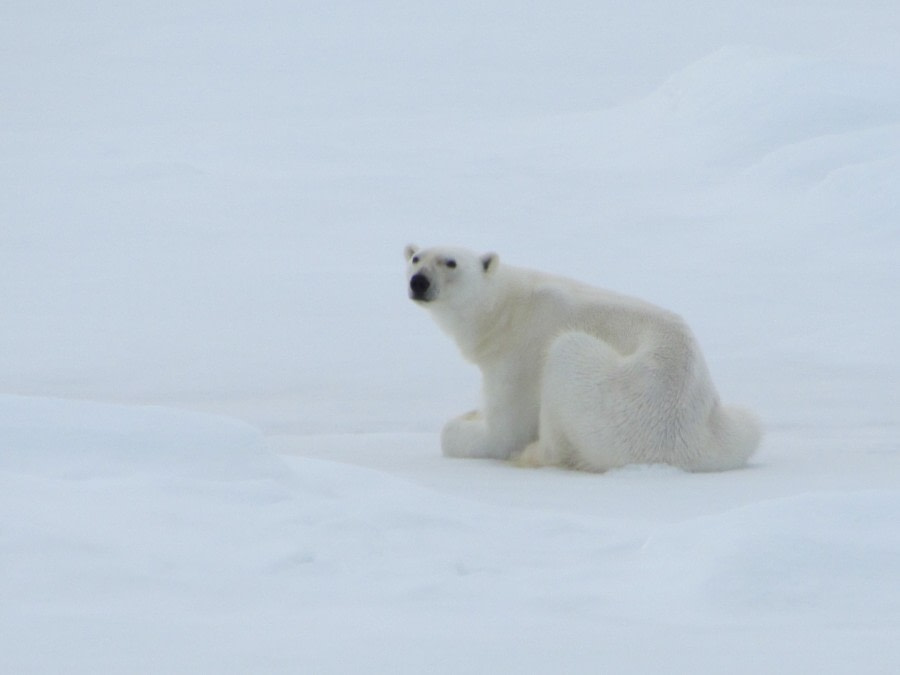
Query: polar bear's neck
point(475, 325)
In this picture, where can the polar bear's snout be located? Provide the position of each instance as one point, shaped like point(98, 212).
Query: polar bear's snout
point(418, 287)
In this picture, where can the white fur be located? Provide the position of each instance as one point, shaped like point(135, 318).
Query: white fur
point(575, 376)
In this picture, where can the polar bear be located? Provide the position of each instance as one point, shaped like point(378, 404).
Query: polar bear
point(575, 376)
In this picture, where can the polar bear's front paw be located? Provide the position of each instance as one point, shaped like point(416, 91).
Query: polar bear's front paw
point(465, 436)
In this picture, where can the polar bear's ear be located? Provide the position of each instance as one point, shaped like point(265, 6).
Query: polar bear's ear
point(490, 261)
point(410, 250)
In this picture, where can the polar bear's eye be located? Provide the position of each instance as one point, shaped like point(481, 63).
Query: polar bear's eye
point(451, 263)
point(415, 259)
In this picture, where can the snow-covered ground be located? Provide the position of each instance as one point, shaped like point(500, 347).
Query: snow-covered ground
point(203, 208)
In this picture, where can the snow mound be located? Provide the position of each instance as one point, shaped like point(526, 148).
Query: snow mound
point(98, 499)
point(79, 439)
point(776, 98)
point(830, 556)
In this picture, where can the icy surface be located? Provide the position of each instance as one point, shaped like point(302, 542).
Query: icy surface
point(140, 550)
point(202, 212)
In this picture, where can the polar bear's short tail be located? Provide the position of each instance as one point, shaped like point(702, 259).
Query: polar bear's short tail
point(736, 435)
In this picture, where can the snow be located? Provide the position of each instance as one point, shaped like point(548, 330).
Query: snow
point(153, 540)
point(219, 412)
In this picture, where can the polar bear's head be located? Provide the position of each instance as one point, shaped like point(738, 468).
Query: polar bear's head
point(447, 275)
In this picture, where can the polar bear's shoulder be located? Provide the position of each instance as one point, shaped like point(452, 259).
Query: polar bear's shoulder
point(575, 302)
point(557, 289)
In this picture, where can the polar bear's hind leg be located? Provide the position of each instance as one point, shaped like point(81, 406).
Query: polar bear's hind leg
point(601, 410)
point(583, 394)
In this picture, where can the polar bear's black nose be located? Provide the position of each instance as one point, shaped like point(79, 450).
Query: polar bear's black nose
point(419, 284)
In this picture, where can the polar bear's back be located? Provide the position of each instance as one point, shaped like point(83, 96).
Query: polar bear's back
point(625, 323)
